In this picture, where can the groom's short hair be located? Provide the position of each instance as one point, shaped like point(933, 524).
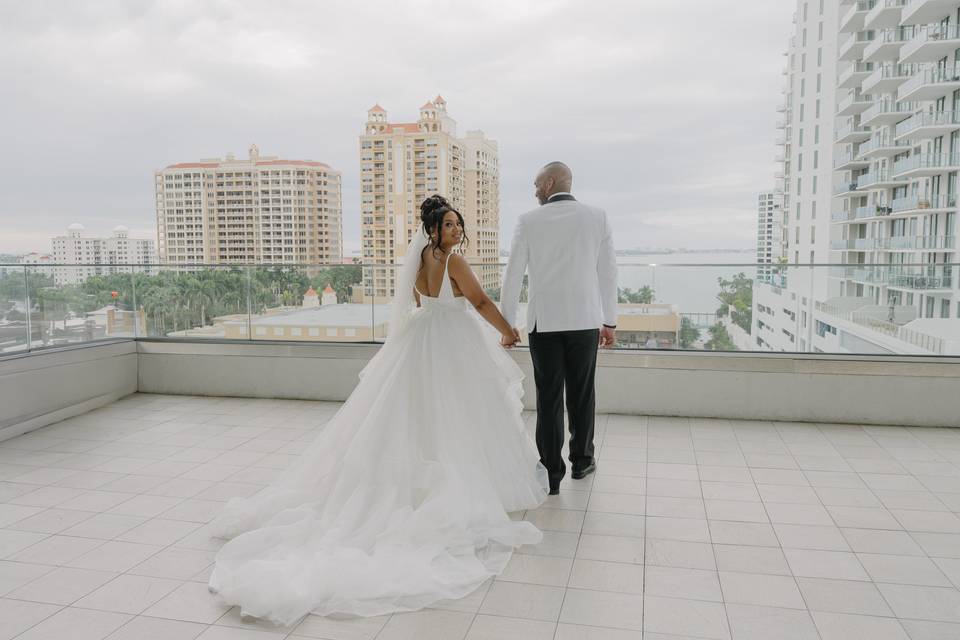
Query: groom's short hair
point(560, 173)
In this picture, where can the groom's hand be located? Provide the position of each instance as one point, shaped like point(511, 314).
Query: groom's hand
point(510, 341)
point(608, 337)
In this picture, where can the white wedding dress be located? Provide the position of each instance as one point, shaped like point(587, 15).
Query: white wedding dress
point(402, 499)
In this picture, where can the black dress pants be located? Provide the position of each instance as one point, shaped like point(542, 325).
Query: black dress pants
point(564, 360)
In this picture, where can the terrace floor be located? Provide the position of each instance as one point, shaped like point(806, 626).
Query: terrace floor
point(690, 529)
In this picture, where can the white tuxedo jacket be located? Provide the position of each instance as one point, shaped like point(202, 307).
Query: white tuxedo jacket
point(567, 249)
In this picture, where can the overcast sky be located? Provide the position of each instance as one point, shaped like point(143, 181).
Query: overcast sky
point(664, 109)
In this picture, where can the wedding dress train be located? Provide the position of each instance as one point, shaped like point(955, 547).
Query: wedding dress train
point(402, 499)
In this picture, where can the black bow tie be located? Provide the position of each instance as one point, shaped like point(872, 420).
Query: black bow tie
point(559, 197)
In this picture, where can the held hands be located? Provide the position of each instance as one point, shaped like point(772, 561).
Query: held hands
point(608, 337)
point(508, 341)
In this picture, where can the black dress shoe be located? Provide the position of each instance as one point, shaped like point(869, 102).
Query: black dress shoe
point(555, 490)
point(579, 474)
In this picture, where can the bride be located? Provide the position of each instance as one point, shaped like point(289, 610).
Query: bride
point(402, 499)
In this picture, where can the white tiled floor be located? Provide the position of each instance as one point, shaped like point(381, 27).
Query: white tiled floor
point(690, 529)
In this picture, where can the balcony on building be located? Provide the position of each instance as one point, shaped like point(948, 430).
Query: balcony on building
point(845, 188)
point(886, 44)
point(886, 78)
point(884, 14)
point(854, 104)
point(895, 329)
point(930, 83)
point(927, 124)
point(848, 160)
point(852, 47)
point(923, 165)
point(124, 431)
point(851, 132)
point(868, 211)
point(840, 216)
point(916, 243)
point(935, 278)
point(881, 145)
point(910, 205)
point(855, 16)
point(854, 75)
point(931, 42)
point(886, 111)
point(879, 179)
point(919, 12)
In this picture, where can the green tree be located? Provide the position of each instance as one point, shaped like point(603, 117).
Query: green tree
point(689, 333)
point(494, 292)
point(720, 339)
point(341, 278)
point(736, 300)
point(644, 295)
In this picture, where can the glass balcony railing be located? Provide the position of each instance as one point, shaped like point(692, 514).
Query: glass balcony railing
point(932, 75)
point(887, 109)
point(851, 132)
point(667, 300)
point(879, 143)
point(919, 203)
point(919, 121)
point(854, 103)
point(852, 46)
point(874, 179)
point(918, 277)
point(916, 243)
point(852, 76)
point(927, 161)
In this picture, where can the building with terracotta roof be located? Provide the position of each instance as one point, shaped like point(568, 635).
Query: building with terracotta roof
point(257, 209)
point(401, 164)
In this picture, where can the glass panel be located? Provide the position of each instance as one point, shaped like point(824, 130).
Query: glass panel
point(667, 301)
point(13, 309)
point(74, 304)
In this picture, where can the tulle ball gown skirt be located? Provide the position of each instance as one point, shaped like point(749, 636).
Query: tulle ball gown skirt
point(403, 498)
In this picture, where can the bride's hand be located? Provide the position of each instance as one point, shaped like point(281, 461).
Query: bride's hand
point(508, 341)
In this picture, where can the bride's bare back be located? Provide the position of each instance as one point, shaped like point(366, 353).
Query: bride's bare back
point(430, 277)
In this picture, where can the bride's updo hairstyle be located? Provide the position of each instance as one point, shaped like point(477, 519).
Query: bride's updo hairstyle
point(432, 211)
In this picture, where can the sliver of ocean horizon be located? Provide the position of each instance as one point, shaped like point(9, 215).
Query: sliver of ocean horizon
point(692, 288)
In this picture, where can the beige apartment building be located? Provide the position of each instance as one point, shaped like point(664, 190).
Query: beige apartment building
point(401, 164)
point(255, 210)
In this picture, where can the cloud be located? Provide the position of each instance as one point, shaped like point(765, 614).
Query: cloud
point(665, 110)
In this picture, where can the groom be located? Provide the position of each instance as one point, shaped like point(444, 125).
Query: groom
point(567, 249)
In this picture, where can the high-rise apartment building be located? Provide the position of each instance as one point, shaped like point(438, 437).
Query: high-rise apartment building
point(770, 234)
point(894, 69)
point(898, 155)
point(783, 310)
point(401, 164)
point(254, 210)
point(78, 257)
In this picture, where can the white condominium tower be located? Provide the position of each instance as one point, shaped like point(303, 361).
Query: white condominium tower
point(783, 306)
point(898, 154)
point(401, 164)
point(770, 234)
point(99, 256)
point(254, 210)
